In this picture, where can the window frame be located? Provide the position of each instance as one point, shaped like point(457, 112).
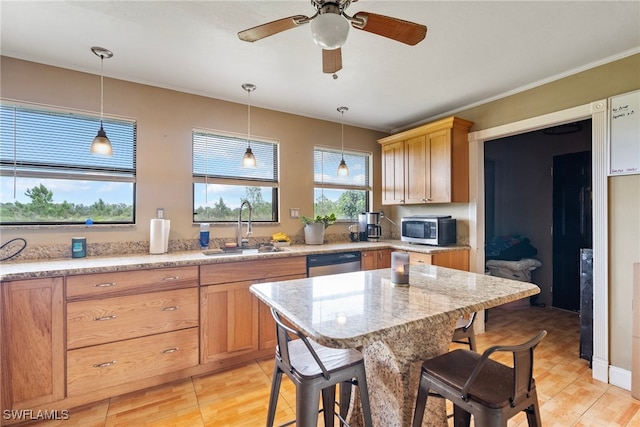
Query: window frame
point(322, 185)
point(207, 179)
point(55, 169)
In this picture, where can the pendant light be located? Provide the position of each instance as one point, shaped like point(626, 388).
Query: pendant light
point(249, 160)
point(343, 170)
point(101, 144)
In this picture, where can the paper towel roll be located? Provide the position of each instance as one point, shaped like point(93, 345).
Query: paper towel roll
point(166, 229)
point(156, 236)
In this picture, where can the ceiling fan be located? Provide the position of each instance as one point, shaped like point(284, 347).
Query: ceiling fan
point(330, 27)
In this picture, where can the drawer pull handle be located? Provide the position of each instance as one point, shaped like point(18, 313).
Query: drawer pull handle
point(170, 350)
point(104, 285)
point(103, 318)
point(171, 278)
point(172, 308)
point(105, 364)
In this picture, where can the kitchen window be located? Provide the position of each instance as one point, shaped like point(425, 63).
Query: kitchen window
point(48, 175)
point(220, 183)
point(345, 196)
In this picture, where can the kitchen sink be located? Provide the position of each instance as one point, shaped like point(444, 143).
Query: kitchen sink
point(244, 250)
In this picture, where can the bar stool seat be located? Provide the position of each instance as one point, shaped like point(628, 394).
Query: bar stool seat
point(316, 370)
point(489, 390)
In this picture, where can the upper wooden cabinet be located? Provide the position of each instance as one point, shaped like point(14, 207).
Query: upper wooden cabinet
point(427, 164)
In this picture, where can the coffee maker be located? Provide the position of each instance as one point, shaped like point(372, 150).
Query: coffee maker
point(374, 230)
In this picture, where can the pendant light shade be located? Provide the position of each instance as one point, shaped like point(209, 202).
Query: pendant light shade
point(343, 170)
point(249, 160)
point(101, 144)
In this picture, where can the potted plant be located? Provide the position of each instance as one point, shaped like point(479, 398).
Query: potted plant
point(314, 228)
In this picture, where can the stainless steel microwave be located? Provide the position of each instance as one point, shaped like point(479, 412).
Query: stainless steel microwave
point(439, 230)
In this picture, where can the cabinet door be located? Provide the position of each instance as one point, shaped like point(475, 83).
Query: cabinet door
point(416, 172)
point(453, 259)
point(267, 326)
point(383, 258)
point(368, 260)
point(439, 167)
point(32, 334)
point(393, 173)
point(228, 321)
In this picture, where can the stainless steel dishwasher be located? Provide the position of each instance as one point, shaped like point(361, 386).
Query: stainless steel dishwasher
point(324, 264)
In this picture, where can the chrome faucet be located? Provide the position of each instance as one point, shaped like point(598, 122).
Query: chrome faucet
point(242, 241)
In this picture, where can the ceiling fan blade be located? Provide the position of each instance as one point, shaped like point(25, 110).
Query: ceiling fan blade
point(396, 29)
point(331, 60)
point(271, 28)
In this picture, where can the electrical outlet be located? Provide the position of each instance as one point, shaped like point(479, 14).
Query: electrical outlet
point(294, 213)
point(160, 213)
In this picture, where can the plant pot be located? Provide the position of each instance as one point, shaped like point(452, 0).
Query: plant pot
point(314, 233)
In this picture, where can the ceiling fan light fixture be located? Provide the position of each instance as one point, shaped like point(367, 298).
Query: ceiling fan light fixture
point(329, 30)
point(101, 144)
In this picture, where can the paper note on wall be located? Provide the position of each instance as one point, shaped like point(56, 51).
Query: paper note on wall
point(624, 142)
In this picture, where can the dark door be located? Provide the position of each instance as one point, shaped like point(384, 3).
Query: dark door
point(571, 225)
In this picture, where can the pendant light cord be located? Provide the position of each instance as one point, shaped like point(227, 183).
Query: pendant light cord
point(249, 119)
point(342, 131)
point(101, 88)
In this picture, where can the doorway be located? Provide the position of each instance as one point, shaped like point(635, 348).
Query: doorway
point(519, 200)
point(572, 229)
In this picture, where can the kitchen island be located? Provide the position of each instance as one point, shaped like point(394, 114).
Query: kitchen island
point(396, 327)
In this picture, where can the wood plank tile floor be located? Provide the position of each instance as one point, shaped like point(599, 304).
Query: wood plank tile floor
point(567, 394)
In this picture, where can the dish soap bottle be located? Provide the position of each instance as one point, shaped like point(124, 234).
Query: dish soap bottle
point(204, 236)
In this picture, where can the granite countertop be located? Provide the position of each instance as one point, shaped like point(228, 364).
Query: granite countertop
point(60, 267)
point(354, 309)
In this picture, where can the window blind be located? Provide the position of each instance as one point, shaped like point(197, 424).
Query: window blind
point(220, 156)
point(58, 142)
point(325, 166)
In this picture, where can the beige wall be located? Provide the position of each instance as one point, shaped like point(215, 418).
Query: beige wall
point(165, 119)
point(624, 198)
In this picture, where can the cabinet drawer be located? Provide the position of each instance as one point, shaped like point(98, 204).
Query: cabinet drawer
point(212, 274)
point(100, 285)
point(109, 365)
point(419, 258)
point(99, 321)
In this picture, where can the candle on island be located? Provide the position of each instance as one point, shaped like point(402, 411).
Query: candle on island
point(400, 268)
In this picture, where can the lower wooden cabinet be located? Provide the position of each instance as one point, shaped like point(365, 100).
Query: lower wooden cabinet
point(233, 322)
point(372, 260)
point(32, 336)
point(116, 363)
point(228, 321)
point(458, 259)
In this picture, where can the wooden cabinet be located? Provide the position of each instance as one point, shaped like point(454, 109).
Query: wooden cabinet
point(371, 260)
point(457, 259)
point(232, 321)
point(130, 326)
point(427, 164)
point(32, 343)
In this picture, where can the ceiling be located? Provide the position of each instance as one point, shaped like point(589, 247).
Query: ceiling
point(474, 51)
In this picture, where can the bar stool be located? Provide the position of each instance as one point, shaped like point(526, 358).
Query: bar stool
point(490, 391)
point(465, 332)
point(316, 370)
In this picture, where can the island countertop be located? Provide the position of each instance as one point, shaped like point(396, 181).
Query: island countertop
point(18, 270)
point(354, 309)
